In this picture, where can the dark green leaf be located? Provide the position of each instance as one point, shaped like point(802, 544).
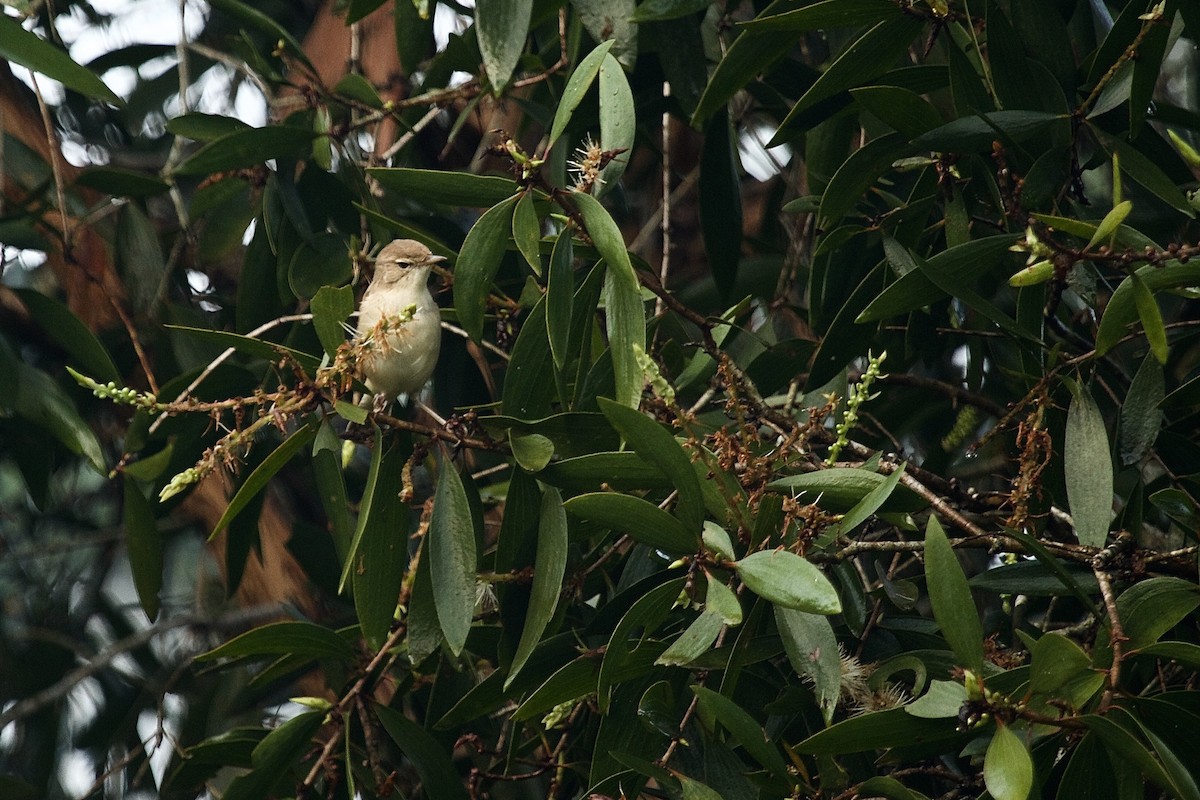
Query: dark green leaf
point(331, 307)
point(257, 480)
point(560, 289)
point(122, 182)
point(1088, 469)
point(439, 777)
point(857, 174)
point(266, 24)
point(432, 186)
point(295, 638)
point(842, 488)
point(205, 127)
point(953, 607)
point(1122, 306)
point(577, 87)
point(812, 650)
point(548, 571)
point(85, 351)
point(452, 557)
point(144, 544)
point(721, 202)
point(526, 231)
point(640, 519)
point(502, 26)
point(826, 14)
point(871, 502)
point(618, 122)
point(658, 10)
point(1141, 417)
point(29, 50)
point(377, 571)
point(696, 640)
point(478, 261)
point(38, 400)
point(247, 148)
point(878, 730)
point(905, 110)
point(972, 134)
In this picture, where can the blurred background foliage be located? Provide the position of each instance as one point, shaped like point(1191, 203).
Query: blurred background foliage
point(816, 413)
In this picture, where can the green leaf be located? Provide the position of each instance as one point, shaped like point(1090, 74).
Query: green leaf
point(742, 726)
point(560, 289)
point(903, 109)
point(721, 202)
point(548, 571)
point(788, 580)
point(878, 730)
point(139, 258)
point(1088, 469)
point(844, 488)
point(331, 307)
point(431, 758)
point(953, 607)
point(424, 632)
point(609, 19)
point(826, 14)
point(432, 186)
point(526, 231)
point(38, 400)
point(502, 26)
point(618, 470)
point(294, 638)
point(205, 127)
point(659, 10)
point(144, 545)
point(622, 299)
point(1123, 745)
point(974, 134)
point(271, 758)
point(642, 619)
point(331, 486)
point(30, 51)
point(1035, 579)
point(1111, 222)
point(1007, 767)
point(943, 700)
point(618, 122)
point(642, 520)
point(655, 445)
point(867, 57)
point(256, 348)
point(318, 262)
point(857, 174)
point(1151, 317)
point(532, 451)
point(478, 261)
point(695, 641)
point(247, 148)
point(576, 89)
point(1122, 306)
point(377, 568)
point(721, 600)
point(1147, 611)
point(812, 650)
point(257, 480)
point(691, 789)
point(452, 557)
point(871, 502)
point(267, 25)
point(527, 394)
point(1144, 171)
point(1141, 417)
point(84, 350)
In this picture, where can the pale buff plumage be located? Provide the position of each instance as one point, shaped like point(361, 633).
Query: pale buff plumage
point(403, 351)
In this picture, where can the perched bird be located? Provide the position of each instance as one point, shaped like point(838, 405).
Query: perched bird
point(401, 319)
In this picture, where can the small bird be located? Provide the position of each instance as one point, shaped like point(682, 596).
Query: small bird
point(402, 320)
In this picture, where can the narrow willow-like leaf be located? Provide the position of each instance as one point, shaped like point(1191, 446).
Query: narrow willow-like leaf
point(452, 557)
point(439, 777)
point(30, 51)
point(526, 229)
point(1007, 767)
point(560, 291)
point(549, 567)
point(654, 444)
point(644, 521)
point(368, 491)
point(262, 474)
point(330, 308)
point(871, 502)
point(1088, 469)
point(1112, 220)
point(144, 545)
point(432, 186)
point(67, 331)
point(1141, 417)
point(247, 148)
point(953, 607)
point(722, 601)
point(694, 642)
point(721, 202)
point(378, 569)
point(1151, 317)
point(577, 87)
point(622, 299)
point(293, 637)
point(477, 263)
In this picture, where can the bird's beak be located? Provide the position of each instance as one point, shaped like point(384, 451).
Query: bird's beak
point(435, 259)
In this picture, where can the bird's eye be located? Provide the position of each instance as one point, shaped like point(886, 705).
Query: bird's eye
point(403, 263)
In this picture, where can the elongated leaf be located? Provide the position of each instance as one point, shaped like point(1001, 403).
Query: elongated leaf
point(331, 487)
point(748, 733)
point(619, 470)
point(330, 308)
point(869, 56)
point(843, 488)
point(452, 557)
point(812, 650)
point(943, 700)
point(1007, 767)
point(1088, 469)
point(878, 730)
point(478, 261)
point(502, 26)
point(789, 580)
point(643, 617)
point(377, 571)
point(1141, 417)
point(971, 134)
point(424, 632)
point(903, 109)
point(30, 51)
point(65, 329)
point(871, 502)
point(297, 638)
point(526, 232)
point(548, 571)
point(1112, 220)
point(257, 480)
point(695, 641)
point(577, 86)
point(618, 122)
point(431, 758)
point(1151, 317)
point(609, 19)
point(1122, 306)
point(247, 148)
point(640, 519)
point(37, 399)
point(622, 299)
point(721, 600)
point(272, 757)
point(205, 127)
point(431, 186)
point(144, 545)
point(857, 174)
point(721, 202)
point(658, 10)
point(1145, 171)
point(560, 290)
point(826, 14)
point(953, 607)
